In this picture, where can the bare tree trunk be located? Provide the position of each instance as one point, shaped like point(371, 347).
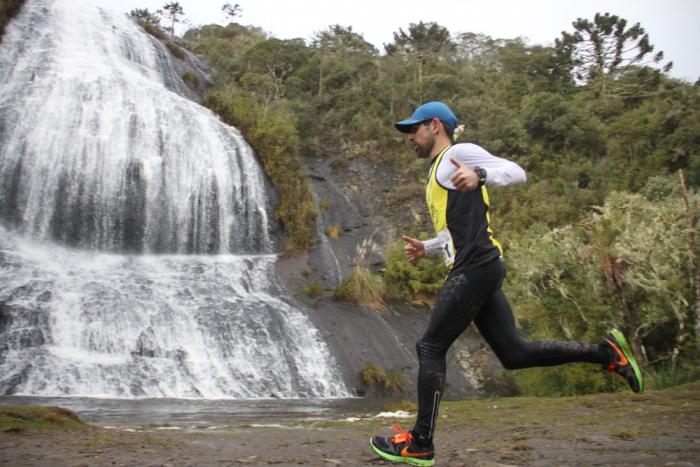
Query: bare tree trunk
point(320, 76)
point(692, 210)
point(420, 79)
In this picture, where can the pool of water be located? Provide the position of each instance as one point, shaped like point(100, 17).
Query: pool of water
point(205, 414)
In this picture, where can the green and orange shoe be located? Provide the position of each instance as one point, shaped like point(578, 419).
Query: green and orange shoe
point(402, 448)
point(622, 360)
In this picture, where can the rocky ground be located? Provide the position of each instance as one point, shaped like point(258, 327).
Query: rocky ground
point(656, 428)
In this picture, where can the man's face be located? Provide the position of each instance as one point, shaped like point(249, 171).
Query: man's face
point(422, 139)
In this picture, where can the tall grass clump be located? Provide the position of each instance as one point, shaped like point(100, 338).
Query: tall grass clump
point(376, 377)
point(362, 285)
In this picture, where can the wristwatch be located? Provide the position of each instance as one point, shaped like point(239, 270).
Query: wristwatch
point(481, 173)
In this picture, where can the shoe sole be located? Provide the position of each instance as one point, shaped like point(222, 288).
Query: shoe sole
point(622, 343)
point(406, 460)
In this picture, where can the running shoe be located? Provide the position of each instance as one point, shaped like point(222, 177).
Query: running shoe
point(622, 360)
point(402, 448)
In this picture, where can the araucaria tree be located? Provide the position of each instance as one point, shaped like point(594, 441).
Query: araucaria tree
point(231, 11)
point(604, 51)
point(142, 14)
point(173, 12)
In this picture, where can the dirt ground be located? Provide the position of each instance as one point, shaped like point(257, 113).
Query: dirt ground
point(656, 428)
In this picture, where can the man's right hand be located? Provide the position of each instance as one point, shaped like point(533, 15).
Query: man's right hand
point(414, 249)
point(464, 178)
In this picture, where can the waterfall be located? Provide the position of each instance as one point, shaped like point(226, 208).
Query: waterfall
point(135, 254)
point(98, 150)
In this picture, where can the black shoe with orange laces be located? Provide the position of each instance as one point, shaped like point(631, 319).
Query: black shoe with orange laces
point(403, 448)
point(622, 360)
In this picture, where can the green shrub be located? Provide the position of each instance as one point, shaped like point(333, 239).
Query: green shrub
point(668, 375)
point(312, 289)
point(419, 281)
point(190, 80)
point(567, 380)
point(501, 384)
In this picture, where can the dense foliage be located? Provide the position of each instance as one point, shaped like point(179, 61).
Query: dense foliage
point(599, 236)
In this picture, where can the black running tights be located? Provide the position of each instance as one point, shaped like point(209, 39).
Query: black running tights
point(476, 296)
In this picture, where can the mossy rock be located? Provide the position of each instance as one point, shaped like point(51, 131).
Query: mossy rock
point(29, 418)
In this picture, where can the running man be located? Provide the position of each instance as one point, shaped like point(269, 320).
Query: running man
point(459, 207)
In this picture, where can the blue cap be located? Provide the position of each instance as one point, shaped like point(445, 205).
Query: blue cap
point(427, 112)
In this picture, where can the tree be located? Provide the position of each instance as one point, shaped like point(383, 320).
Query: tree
point(604, 50)
point(142, 14)
point(173, 11)
point(422, 44)
point(340, 45)
point(278, 59)
point(231, 11)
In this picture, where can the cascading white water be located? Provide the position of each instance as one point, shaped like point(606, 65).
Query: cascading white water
point(96, 151)
point(99, 151)
point(87, 324)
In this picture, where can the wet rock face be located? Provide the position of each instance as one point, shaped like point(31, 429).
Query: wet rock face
point(352, 197)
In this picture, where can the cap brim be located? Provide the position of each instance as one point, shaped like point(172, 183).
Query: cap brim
point(404, 126)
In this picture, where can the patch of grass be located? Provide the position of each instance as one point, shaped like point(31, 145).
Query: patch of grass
point(386, 381)
point(403, 405)
point(334, 231)
point(623, 434)
point(99, 439)
point(325, 203)
point(28, 418)
point(362, 286)
point(312, 289)
point(307, 271)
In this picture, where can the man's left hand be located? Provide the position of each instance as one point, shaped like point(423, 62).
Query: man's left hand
point(465, 178)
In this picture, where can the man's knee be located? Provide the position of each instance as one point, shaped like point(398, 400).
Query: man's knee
point(429, 348)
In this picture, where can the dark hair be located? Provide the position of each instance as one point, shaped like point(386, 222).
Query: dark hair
point(448, 129)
